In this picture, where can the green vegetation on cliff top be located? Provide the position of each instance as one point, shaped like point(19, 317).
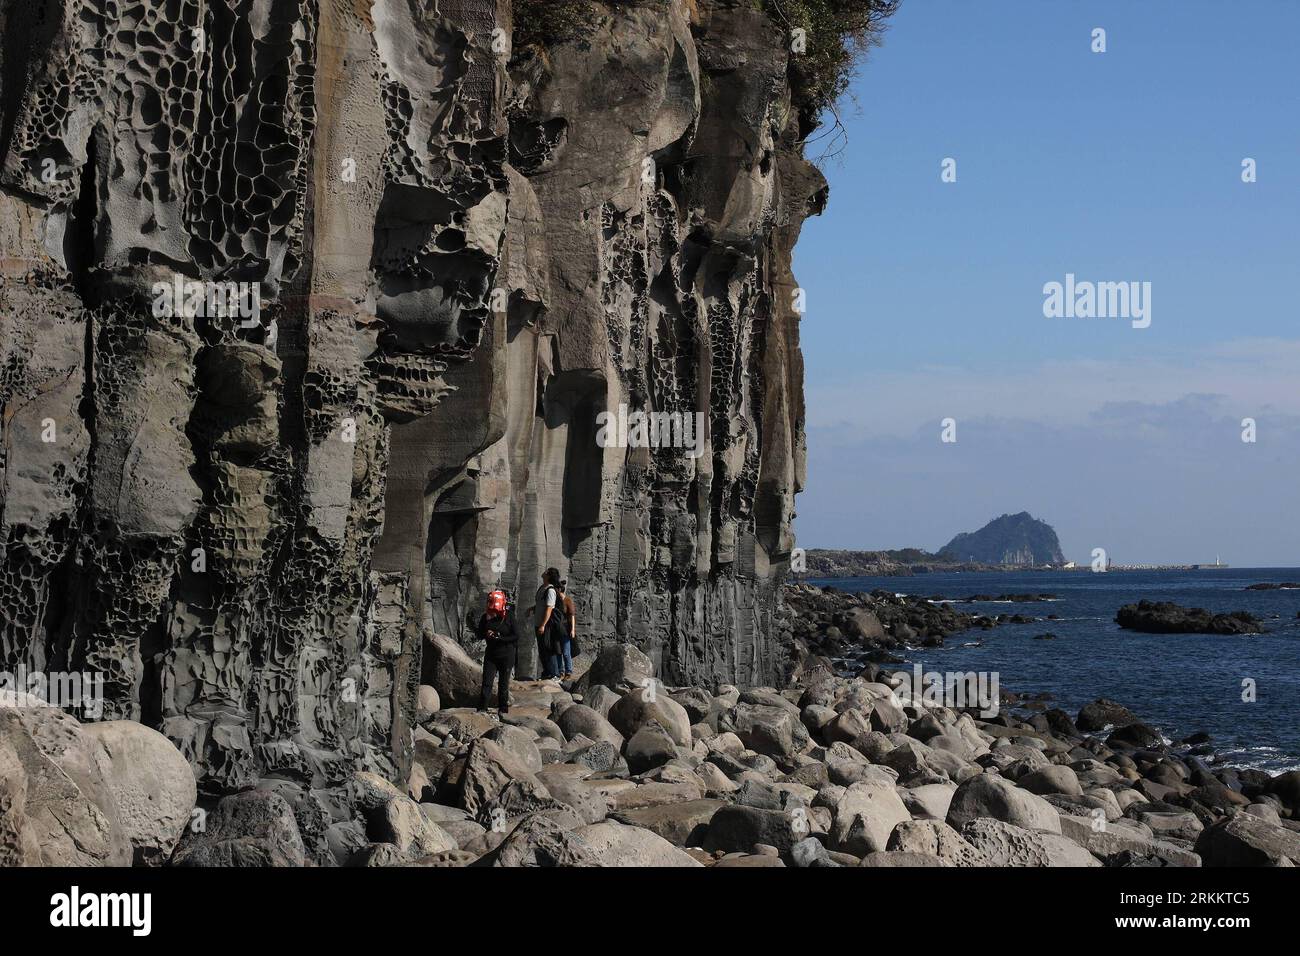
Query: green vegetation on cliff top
point(837, 33)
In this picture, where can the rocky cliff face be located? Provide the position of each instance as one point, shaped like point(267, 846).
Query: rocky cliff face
point(308, 312)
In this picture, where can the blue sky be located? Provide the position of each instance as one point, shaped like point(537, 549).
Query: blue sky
point(925, 298)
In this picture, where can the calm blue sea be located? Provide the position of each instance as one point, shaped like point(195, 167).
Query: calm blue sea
point(1180, 683)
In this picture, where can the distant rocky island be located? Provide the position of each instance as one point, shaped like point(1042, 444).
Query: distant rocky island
point(1006, 543)
point(1019, 539)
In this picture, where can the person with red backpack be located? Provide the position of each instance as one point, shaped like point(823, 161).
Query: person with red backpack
point(497, 628)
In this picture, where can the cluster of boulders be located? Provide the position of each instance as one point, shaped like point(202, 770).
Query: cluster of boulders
point(620, 770)
point(856, 630)
point(869, 626)
point(105, 794)
point(1165, 617)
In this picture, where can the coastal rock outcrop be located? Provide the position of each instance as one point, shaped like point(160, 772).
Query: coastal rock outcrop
point(946, 787)
point(1165, 617)
point(868, 627)
point(321, 319)
point(313, 314)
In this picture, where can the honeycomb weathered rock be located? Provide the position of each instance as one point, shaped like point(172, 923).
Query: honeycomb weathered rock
point(457, 257)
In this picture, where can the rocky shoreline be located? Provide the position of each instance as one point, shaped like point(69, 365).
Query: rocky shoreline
point(893, 564)
point(618, 769)
point(870, 627)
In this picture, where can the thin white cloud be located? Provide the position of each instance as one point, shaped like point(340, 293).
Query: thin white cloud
point(1167, 483)
point(1249, 376)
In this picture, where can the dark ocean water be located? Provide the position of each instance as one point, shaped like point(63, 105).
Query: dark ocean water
point(1180, 683)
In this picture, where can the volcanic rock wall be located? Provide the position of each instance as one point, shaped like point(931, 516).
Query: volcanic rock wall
point(450, 257)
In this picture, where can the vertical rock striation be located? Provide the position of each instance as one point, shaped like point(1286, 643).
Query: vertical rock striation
point(450, 258)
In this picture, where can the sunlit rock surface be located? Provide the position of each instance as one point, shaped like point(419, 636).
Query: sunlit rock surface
point(458, 255)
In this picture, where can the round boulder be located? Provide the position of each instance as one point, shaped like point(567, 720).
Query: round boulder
point(428, 703)
point(1103, 713)
point(643, 704)
point(617, 844)
point(990, 796)
point(581, 719)
point(68, 808)
point(1053, 778)
point(448, 668)
point(152, 783)
point(650, 747)
point(620, 667)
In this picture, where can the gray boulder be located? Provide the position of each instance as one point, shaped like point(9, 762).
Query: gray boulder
point(581, 719)
point(740, 829)
point(864, 817)
point(520, 743)
point(378, 854)
point(848, 725)
point(1247, 840)
point(815, 717)
point(1112, 840)
point(1169, 823)
point(768, 729)
point(449, 670)
point(1137, 735)
point(402, 823)
point(621, 845)
point(368, 791)
point(600, 699)
point(1005, 844)
point(589, 804)
point(620, 667)
point(888, 717)
point(68, 806)
point(698, 703)
point(255, 828)
point(152, 783)
point(930, 801)
point(937, 839)
point(489, 769)
point(640, 706)
point(809, 853)
point(539, 841)
point(464, 832)
point(988, 795)
point(1062, 851)
point(1053, 778)
point(600, 757)
point(650, 747)
point(681, 824)
point(427, 703)
point(1102, 713)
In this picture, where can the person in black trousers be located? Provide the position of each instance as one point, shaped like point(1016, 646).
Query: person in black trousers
point(546, 615)
point(497, 628)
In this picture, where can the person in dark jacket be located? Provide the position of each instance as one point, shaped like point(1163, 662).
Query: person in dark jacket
point(497, 628)
point(549, 623)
